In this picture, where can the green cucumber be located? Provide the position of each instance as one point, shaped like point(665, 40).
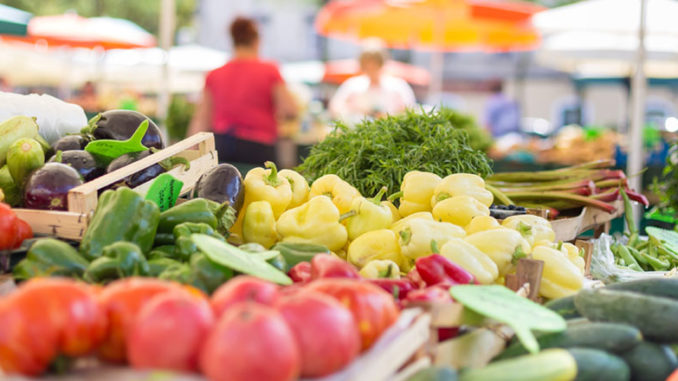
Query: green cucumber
point(434, 373)
point(24, 156)
point(564, 307)
point(653, 316)
point(610, 337)
point(666, 287)
point(550, 364)
point(11, 191)
point(650, 362)
point(597, 365)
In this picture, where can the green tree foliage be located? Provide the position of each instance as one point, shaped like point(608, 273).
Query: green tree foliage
point(145, 13)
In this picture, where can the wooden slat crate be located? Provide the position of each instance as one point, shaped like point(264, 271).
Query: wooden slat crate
point(82, 200)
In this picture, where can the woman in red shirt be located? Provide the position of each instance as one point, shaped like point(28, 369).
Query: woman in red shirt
point(242, 101)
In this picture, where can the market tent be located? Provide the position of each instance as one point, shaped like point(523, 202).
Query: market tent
point(642, 36)
point(436, 25)
point(97, 32)
point(13, 21)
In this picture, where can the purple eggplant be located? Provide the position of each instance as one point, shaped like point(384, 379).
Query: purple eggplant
point(70, 143)
point(222, 183)
point(147, 174)
point(83, 162)
point(47, 187)
point(121, 124)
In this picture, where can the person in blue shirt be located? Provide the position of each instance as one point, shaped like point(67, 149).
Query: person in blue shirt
point(502, 114)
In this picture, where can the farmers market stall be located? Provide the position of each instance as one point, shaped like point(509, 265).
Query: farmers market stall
point(124, 259)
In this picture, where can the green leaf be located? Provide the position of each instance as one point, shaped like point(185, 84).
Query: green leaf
point(505, 306)
point(230, 256)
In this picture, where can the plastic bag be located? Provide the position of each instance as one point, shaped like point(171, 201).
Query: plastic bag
point(604, 268)
point(55, 117)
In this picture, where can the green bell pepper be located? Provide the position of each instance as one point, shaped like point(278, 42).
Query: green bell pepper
point(299, 252)
point(50, 257)
point(200, 272)
point(164, 251)
point(182, 238)
point(119, 260)
point(199, 210)
point(156, 266)
point(121, 215)
point(277, 260)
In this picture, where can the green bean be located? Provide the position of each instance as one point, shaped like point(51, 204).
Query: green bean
point(626, 256)
point(628, 213)
point(637, 256)
point(656, 263)
point(661, 250)
point(635, 267)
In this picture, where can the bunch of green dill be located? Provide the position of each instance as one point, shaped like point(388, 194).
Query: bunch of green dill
point(380, 152)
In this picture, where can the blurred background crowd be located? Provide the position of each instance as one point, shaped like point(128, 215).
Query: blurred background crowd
point(548, 83)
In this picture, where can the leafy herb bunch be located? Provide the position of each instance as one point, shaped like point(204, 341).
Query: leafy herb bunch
point(667, 187)
point(380, 152)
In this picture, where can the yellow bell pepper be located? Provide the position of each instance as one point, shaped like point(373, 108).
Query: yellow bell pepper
point(298, 185)
point(480, 223)
point(367, 214)
point(376, 244)
point(459, 184)
point(532, 228)
point(560, 277)
point(418, 236)
point(395, 215)
point(259, 224)
point(471, 259)
point(502, 245)
point(418, 215)
point(416, 191)
point(573, 254)
point(339, 191)
point(264, 185)
point(459, 210)
point(315, 221)
point(380, 268)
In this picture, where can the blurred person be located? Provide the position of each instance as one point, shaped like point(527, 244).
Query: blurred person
point(243, 100)
point(502, 114)
point(372, 94)
point(87, 98)
point(4, 85)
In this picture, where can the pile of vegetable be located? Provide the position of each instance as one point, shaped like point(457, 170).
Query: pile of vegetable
point(13, 230)
point(379, 152)
point(667, 186)
point(37, 175)
point(591, 184)
point(310, 331)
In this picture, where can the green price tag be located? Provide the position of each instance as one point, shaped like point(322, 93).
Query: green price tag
point(501, 304)
point(108, 150)
point(164, 191)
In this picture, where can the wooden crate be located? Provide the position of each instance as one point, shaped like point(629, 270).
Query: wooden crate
point(82, 200)
point(568, 229)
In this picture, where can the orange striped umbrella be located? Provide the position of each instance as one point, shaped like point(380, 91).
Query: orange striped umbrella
point(448, 25)
point(340, 70)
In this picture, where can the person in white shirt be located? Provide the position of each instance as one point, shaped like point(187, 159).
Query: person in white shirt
point(373, 94)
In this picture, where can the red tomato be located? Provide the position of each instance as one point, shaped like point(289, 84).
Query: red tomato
point(8, 227)
point(373, 308)
point(24, 231)
point(121, 301)
point(71, 308)
point(27, 341)
point(673, 376)
point(240, 289)
point(250, 342)
point(325, 331)
point(169, 331)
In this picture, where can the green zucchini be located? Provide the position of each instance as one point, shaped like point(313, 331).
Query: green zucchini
point(434, 373)
point(666, 287)
point(610, 337)
point(550, 364)
point(653, 316)
point(650, 362)
point(597, 365)
point(564, 307)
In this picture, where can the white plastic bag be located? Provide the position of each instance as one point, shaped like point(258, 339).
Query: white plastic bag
point(55, 117)
point(604, 268)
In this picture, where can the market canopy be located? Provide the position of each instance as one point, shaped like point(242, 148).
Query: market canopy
point(449, 25)
point(13, 21)
point(73, 30)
